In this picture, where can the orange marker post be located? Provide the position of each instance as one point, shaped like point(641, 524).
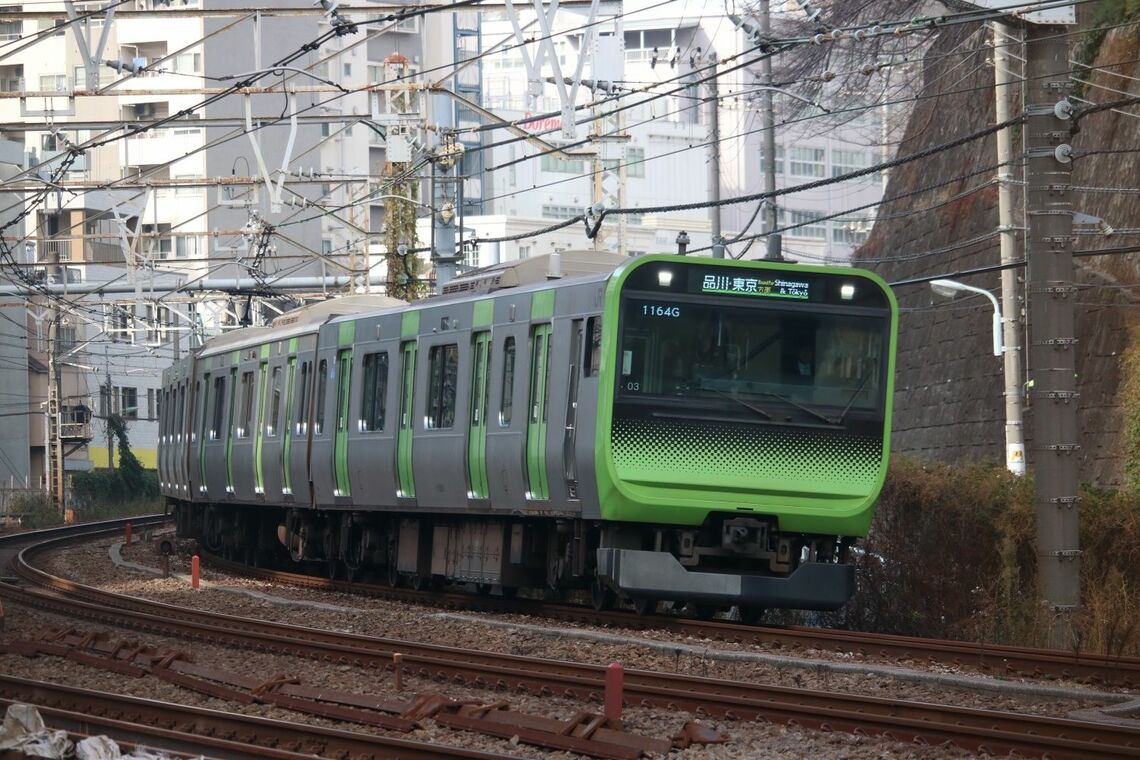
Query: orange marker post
point(615, 688)
point(128, 534)
point(194, 562)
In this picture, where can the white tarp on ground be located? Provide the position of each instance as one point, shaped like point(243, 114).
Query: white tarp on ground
point(24, 731)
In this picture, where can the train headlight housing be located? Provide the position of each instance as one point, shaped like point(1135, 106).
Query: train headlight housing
point(665, 277)
point(846, 291)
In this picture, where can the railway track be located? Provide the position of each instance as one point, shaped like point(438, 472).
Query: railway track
point(212, 733)
point(987, 731)
point(992, 659)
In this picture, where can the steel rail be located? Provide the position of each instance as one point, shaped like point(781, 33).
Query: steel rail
point(994, 659)
point(213, 733)
point(979, 730)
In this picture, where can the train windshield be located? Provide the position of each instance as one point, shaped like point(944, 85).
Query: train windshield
point(759, 361)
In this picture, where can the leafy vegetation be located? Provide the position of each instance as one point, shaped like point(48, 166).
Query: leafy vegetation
point(128, 489)
point(952, 553)
point(1108, 13)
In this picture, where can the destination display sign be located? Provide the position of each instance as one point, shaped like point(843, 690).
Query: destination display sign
point(761, 287)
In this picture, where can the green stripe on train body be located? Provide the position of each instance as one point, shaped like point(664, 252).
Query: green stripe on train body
point(680, 471)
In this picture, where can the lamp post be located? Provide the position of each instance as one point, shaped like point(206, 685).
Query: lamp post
point(1014, 441)
point(949, 288)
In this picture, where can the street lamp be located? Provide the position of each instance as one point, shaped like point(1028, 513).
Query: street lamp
point(1014, 442)
point(949, 289)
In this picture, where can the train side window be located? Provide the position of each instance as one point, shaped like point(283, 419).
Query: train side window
point(180, 412)
point(443, 374)
point(507, 400)
point(200, 409)
point(219, 407)
point(374, 392)
point(593, 357)
point(246, 404)
point(275, 401)
point(322, 389)
point(303, 406)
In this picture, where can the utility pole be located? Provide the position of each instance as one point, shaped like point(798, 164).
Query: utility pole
point(713, 112)
point(768, 122)
point(109, 405)
point(55, 418)
point(1052, 344)
point(1010, 306)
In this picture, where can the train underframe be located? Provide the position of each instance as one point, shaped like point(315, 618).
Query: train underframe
point(729, 560)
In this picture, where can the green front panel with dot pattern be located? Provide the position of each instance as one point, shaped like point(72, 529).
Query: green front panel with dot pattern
point(677, 471)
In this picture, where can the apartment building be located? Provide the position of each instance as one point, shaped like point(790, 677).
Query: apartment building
point(667, 153)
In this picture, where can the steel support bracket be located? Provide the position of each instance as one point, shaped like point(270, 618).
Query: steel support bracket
point(1069, 554)
point(1062, 342)
point(1065, 501)
point(1062, 448)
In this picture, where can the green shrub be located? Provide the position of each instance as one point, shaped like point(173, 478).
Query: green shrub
point(37, 511)
point(952, 554)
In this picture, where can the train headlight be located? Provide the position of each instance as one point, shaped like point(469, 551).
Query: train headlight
point(847, 291)
point(665, 277)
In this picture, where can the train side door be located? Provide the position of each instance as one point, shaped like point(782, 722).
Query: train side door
point(259, 427)
point(537, 487)
point(406, 482)
point(340, 433)
point(230, 432)
point(287, 430)
point(477, 419)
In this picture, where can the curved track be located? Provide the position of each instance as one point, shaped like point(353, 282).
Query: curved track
point(998, 660)
point(976, 730)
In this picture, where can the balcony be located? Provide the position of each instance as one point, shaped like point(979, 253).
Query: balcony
point(75, 424)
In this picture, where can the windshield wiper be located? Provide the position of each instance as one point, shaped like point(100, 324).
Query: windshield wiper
point(743, 403)
point(797, 405)
point(850, 401)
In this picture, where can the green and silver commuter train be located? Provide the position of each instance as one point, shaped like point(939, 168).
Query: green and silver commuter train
point(657, 428)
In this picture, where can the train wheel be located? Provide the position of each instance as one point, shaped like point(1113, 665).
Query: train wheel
point(332, 568)
point(751, 614)
point(643, 605)
point(421, 582)
point(484, 589)
point(393, 575)
point(601, 596)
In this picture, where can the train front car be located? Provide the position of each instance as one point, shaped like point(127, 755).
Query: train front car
point(747, 438)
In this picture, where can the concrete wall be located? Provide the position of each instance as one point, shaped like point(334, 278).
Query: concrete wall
point(948, 402)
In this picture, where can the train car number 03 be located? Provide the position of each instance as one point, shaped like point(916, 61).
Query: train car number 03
point(657, 310)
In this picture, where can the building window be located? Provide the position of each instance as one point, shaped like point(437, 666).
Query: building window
point(185, 247)
point(809, 162)
point(374, 392)
point(11, 30)
point(129, 403)
point(779, 159)
point(810, 227)
point(152, 405)
point(849, 231)
point(634, 162)
point(157, 240)
point(555, 211)
point(443, 374)
point(188, 63)
point(847, 161)
point(118, 324)
point(54, 83)
point(552, 163)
